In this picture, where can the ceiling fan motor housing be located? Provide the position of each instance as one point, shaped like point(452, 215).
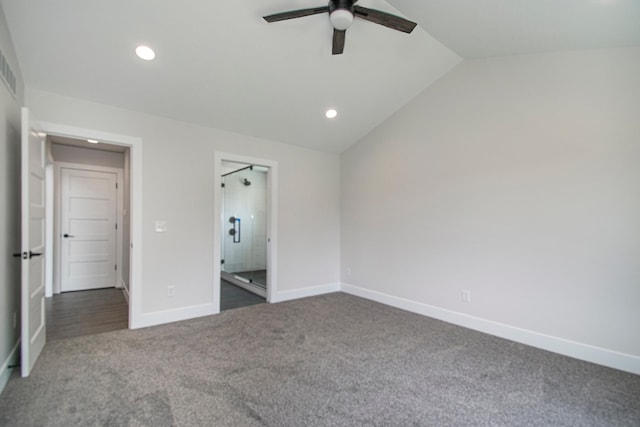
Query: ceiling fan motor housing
point(341, 13)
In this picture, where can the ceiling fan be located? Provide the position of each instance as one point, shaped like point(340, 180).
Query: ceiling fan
point(341, 15)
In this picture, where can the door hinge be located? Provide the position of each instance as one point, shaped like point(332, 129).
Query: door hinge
point(116, 185)
point(221, 261)
point(116, 225)
point(115, 267)
point(222, 185)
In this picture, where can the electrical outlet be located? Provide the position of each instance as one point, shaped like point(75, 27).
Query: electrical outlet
point(171, 291)
point(466, 295)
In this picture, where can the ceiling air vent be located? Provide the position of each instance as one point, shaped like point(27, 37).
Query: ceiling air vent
point(7, 74)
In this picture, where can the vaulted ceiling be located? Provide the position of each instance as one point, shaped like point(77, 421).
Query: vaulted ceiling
point(220, 64)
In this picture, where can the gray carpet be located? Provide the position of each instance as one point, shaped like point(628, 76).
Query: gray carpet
point(333, 360)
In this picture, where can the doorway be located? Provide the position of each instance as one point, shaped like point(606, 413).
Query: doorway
point(90, 238)
point(244, 245)
point(245, 242)
point(37, 230)
point(133, 193)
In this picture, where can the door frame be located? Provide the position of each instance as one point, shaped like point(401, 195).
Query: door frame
point(57, 241)
point(272, 221)
point(135, 255)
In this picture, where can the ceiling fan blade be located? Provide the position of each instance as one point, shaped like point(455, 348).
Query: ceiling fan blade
point(282, 16)
point(338, 41)
point(384, 18)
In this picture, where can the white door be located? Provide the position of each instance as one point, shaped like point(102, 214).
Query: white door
point(88, 229)
point(33, 328)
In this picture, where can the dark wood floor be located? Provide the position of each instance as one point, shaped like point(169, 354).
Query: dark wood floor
point(74, 314)
point(232, 296)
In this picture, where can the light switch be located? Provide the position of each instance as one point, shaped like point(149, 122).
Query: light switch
point(161, 226)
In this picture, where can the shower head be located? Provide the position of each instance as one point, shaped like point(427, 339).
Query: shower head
point(246, 182)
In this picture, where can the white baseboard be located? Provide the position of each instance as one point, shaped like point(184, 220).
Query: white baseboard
point(305, 292)
point(589, 353)
point(5, 371)
point(184, 313)
point(174, 315)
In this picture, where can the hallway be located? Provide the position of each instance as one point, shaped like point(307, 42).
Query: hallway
point(74, 314)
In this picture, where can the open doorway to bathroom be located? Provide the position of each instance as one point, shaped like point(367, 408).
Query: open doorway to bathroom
point(243, 275)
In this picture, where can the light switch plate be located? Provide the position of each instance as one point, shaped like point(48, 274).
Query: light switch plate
point(161, 226)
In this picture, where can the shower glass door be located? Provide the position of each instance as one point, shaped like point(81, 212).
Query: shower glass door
point(244, 227)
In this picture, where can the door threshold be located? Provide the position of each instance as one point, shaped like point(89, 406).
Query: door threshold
point(244, 284)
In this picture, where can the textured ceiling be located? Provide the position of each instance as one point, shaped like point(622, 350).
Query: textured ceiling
point(220, 64)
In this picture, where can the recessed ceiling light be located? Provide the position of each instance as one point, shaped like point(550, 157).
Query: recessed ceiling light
point(92, 141)
point(331, 114)
point(145, 52)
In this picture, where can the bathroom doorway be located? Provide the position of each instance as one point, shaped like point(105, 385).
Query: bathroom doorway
point(244, 234)
point(246, 231)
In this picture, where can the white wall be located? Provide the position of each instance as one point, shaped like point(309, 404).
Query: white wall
point(517, 179)
point(9, 210)
point(87, 156)
point(178, 187)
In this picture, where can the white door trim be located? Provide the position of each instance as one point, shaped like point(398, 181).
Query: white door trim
point(135, 145)
point(57, 241)
point(272, 223)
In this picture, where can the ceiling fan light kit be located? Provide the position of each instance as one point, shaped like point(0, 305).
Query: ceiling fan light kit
point(341, 15)
point(341, 19)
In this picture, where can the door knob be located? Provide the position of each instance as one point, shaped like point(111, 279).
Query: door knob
point(26, 255)
point(66, 236)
